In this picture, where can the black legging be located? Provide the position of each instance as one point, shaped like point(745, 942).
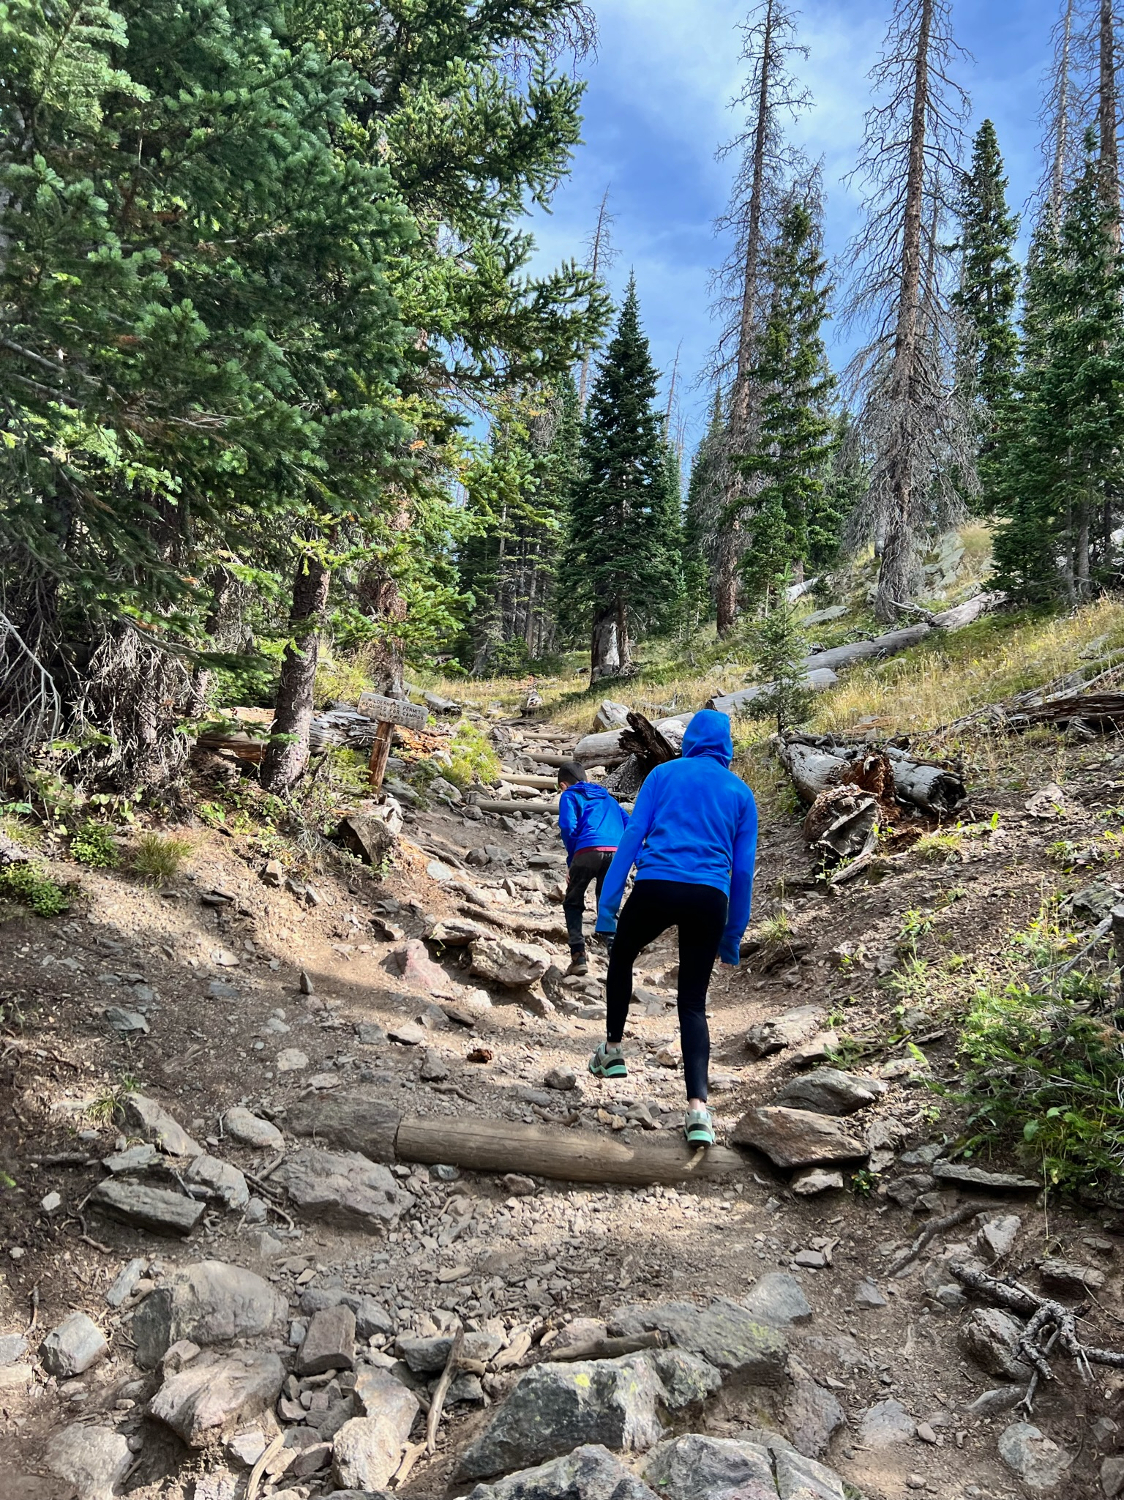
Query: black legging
point(699, 912)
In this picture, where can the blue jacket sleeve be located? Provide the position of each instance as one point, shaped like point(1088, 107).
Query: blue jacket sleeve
point(741, 885)
point(628, 850)
point(568, 822)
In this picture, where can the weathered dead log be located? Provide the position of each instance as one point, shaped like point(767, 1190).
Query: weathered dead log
point(842, 823)
point(818, 678)
point(878, 646)
point(497, 805)
point(815, 765)
point(643, 739)
point(1103, 711)
point(608, 1348)
point(813, 770)
point(543, 783)
point(600, 749)
point(566, 1156)
point(935, 788)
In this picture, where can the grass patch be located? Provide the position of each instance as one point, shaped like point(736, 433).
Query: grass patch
point(1046, 1079)
point(30, 885)
point(473, 758)
point(159, 857)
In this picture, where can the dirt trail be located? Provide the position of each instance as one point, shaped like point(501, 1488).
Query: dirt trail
point(220, 988)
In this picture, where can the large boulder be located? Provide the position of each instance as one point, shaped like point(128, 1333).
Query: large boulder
point(812, 1417)
point(588, 1473)
point(797, 1137)
point(777, 1298)
point(343, 1188)
point(417, 969)
point(990, 1338)
point(708, 1468)
point(207, 1303)
point(513, 964)
point(617, 1403)
point(92, 1460)
point(1035, 1458)
point(830, 1091)
point(216, 1393)
point(347, 1122)
point(726, 1334)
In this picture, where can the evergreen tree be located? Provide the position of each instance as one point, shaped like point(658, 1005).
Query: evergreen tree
point(795, 432)
point(989, 283)
point(845, 483)
point(780, 649)
point(700, 519)
point(1064, 435)
point(622, 560)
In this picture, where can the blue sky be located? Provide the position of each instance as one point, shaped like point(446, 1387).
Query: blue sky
point(657, 107)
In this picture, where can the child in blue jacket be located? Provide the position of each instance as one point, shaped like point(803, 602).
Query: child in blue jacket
point(693, 839)
point(591, 822)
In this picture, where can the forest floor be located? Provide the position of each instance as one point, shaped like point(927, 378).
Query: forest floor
point(219, 983)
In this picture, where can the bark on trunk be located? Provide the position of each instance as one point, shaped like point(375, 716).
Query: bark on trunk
point(1106, 113)
point(285, 759)
point(814, 768)
point(895, 576)
point(604, 654)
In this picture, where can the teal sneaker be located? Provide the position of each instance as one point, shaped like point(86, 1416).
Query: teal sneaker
point(608, 1062)
point(698, 1127)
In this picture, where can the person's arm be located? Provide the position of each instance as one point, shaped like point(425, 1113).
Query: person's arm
point(568, 822)
point(741, 886)
point(632, 839)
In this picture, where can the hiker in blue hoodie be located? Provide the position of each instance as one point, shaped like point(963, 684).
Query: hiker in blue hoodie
point(693, 839)
point(591, 822)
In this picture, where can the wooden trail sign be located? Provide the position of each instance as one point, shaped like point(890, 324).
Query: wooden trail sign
point(388, 712)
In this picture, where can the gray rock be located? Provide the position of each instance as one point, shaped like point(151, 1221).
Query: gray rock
point(778, 1299)
point(801, 1478)
point(371, 1317)
point(153, 1121)
point(1071, 1276)
point(366, 1453)
point(456, 932)
point(379, 1394)
point(814, 1180)
point(132, 1159)
point(73, 1346)
point(796, 1137)
point(429, 1356)
point(886, 1423)
point(13, 1346)
point(1030, 1454)
point(782, 1031)
point(955, 1171)
point(343, 1188)
point(736, 1339)
point(707, 1468)
point(125, 1283)
point(812, 1417)
point(509, 963)
point(217, 1393)
point(555, 1408)
point(588, 1473)
point(125, 1022)
point(244, 1126)
point(562, 1079)
point(868, 1295)
point(829, 1091)
point(158, 1209)
point(329, 1343)
point(990, 1337)
point(92, 1460)
point(222, 1182)
point(290, 1060)
point(209, 1303)
point(996, 1236)
point(1112, 1476)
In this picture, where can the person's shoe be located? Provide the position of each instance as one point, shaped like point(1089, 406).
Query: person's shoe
point(608, 1062)
point(698, 1127)
point(579, 964)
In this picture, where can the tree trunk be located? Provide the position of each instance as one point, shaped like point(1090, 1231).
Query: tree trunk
point(624, 645)
point(605, 659)
point(1061, 134)
point(1106, 113)
point(600, 235)
point(895, 576)
point(284, 760)
point(1081, 582)
point(742, 398)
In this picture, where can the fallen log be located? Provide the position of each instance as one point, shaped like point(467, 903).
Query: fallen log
point(608, 1348)
point(816, 764)
point(382, 1134)
point(842, 823)
point(819, 679)
point(1100, 710)
point(515, 922)
point(492, 804)
point(934, 788)
point(543, 783)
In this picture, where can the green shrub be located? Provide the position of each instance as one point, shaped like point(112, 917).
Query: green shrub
point(30, 884)
point(158, 857)
point(1048, 1080)
point(94, 846)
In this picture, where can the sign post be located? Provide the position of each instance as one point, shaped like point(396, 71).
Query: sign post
point(388, 712)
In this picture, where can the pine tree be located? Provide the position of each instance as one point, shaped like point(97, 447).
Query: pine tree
point(794, 431)
point(1062, 467)
point(780, 649)
point(622, 556)
point(700, 519)
point(986, 296)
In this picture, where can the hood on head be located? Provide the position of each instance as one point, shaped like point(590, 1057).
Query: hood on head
point(708, 733)
point(589, 790)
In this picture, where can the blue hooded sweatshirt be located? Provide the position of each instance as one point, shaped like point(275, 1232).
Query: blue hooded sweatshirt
point(694, 821)
point(589, 817)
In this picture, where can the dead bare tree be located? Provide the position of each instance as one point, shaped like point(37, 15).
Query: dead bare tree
point(767, 164)
point(909, 169)
point(601, 257)
point(1065, 107)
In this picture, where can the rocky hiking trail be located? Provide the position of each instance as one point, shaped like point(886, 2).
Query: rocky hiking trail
point(237, 1263)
